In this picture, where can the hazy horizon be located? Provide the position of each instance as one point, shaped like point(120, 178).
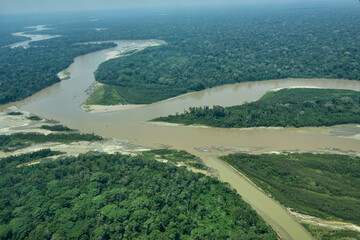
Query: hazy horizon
point(47, 6)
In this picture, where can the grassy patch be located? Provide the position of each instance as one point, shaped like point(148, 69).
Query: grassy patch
point(324, 233)
point(105, 95)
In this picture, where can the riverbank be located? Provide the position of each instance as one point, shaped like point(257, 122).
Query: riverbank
point(12, 124)
point(130, 51)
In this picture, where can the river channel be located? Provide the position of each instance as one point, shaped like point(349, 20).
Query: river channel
point(63, 101)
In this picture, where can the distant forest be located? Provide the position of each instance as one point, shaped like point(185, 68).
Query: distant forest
point(205, 48)
point(210, 50)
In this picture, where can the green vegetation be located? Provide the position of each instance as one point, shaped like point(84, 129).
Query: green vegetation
point(284, 108)
point(176, 156)
point(7, 38)
point(321, 185)
point(15, 161)
point(34, 118)
point(15, 113)
point(20, 140)
point(205, 48)
point(324, 233)
point(57, 128)
point(100, 196)
point(106, 95)
point(230, 46)
point(27, 71)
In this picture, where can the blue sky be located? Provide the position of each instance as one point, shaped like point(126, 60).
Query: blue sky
point(33, 6)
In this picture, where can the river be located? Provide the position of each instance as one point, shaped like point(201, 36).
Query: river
point(33, 37)
point(62, 102)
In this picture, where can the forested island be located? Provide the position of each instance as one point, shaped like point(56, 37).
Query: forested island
point(299, 107)
point(105, 196)
point(322, 185)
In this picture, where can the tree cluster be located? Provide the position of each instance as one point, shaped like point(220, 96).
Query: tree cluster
point(284, 108)
point(99, 196)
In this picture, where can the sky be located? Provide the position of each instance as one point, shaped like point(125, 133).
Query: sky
point(34, 6)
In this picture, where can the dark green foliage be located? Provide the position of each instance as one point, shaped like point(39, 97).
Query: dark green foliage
point(7, 38)
point(34, 118)
point(212, 49)
point(15, 113)
point(24, 72)
point(13, 161)
point(176, 156)
point(205, 48)
point(19, 140)
point(287, 107)
point(57, 128)
point(322, 185)
point(99, 196)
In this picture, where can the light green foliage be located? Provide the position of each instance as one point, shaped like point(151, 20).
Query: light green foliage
point(106, 95)
point(323, 233)
point(322, 185)
point(284, 108)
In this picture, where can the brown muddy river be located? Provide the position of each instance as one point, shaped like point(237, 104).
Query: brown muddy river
point(63, 100)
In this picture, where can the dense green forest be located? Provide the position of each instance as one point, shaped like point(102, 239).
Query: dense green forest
point(100, 196)
point(7, 38)
point(283, 108)
point(206, 48)
point(322, 185)
point(19, 140)
point(24, 72)
point(220, 48)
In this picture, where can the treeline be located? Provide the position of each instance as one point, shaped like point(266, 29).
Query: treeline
point(24, 72)
point(20, 140)
point(57, 128)
point(284, 108)
point(99, 196)
point(322, 185)
point(228, 47)
point(15, 161)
